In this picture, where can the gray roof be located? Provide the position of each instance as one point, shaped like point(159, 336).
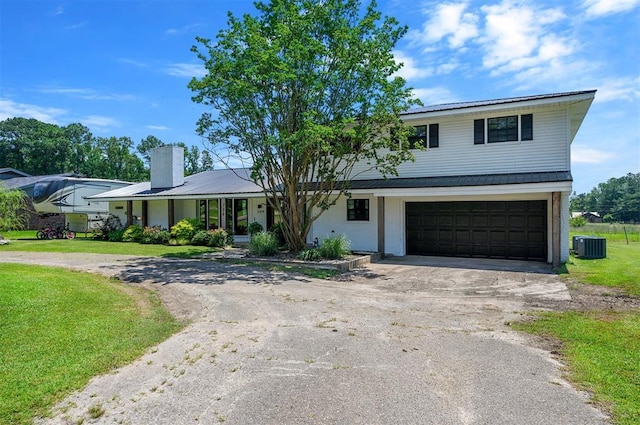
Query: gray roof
point(214, 182)
point(480, 103)
point(454, 181)
point(10, 173)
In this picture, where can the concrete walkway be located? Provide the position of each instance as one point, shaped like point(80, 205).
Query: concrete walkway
point(408, 340)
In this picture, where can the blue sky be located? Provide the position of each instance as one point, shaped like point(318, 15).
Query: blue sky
point(121, 67)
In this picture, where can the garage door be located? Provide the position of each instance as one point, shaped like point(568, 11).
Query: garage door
point(513, 230)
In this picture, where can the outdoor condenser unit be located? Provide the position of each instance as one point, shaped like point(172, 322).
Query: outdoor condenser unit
point(590, 247)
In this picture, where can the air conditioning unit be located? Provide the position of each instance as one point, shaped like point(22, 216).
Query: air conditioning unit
point(590, 247)
point(574, 242)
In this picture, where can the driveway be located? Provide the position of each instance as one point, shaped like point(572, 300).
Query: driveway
point(412, 340)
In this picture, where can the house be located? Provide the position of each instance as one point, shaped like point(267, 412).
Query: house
point(493, 181)
point(590, 216)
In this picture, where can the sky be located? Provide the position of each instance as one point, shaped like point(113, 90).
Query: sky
point(121, 67)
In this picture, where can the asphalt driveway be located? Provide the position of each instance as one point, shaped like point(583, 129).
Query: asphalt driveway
point(414, 340)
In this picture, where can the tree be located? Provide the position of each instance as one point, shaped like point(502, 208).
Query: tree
point(13, 209)
point(618, 199)
point(145, 146)
point(304, 91)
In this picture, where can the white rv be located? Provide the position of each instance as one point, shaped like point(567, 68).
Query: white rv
point(67, 195)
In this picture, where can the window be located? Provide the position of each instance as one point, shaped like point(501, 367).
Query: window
point(511, 128)
point(419, 138)
point(208, 212)
point(357, 210)
point(237, 215)
point(213, 213)
point(502, 129)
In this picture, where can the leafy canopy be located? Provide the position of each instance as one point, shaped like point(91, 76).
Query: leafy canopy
point(13, 206)
point(305, 92)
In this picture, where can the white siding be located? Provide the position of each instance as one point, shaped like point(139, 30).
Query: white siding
point(119, 209)
point(333, 222)
point(258, 211)
point(158, 212)
point(564, 227)
point(457, 155)
point(394, 233)
point(185, 208)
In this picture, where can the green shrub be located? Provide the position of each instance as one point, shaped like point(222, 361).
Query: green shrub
point(116, 235)
point(110, 224)
point(184, 230)
point(155, 235)
point(577, 221)
point(230, 239)
point(311, 254)
point(276, 229)
point(201, 238)
point(254, 228)
point(133, 233)
point(335, 248)
point(217, 238)
point(263, 243)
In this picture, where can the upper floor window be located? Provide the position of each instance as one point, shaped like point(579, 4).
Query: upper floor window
point(425, 136)
point(503, 129)
point(357, 210)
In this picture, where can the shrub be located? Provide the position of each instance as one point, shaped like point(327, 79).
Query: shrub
point(263, 243)
point(335, 247)
point(217, 238)
point(230, 235)
point(116, 235)
point(155, 235)
point(184, 230)
point(311, 254)
point(110, 224)
point(577, 221)
point(201, 238)
point(133, 233)
point(254, 228)
point(276, 229)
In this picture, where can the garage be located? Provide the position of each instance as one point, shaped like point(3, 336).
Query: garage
point(482, 229)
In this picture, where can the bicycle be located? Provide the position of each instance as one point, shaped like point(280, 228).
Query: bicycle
point(61, 233)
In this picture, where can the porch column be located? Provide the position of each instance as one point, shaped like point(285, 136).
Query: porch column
point(171, 215)
point(381, 226)
point(556, 222)
point(129, 213)
point(145, 213)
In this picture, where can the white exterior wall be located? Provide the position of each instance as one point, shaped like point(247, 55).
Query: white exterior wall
point(564, 226)
point(158, 212)
point(333, 222)
point(457, 155)
point(258, 211)
point(119, 209)
point(184, 208)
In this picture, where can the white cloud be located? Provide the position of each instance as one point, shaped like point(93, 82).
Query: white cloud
point(582, 154)
point(409, 69)
point(518, 37)
point(133, 62)
point(435, 95)
point(595, 8)
point(87, 94)
point(158, 127)
point(11, 109)
point(100, 121)
point(450, 22)
point(618, 89)
point(182, 30)
point(186, 70)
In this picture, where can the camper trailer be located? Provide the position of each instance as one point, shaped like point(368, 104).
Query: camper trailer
point(54, 195)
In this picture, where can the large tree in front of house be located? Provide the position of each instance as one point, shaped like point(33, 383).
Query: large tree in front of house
point(303, 90)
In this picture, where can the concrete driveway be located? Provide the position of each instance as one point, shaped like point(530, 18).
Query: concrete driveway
point(413, 340)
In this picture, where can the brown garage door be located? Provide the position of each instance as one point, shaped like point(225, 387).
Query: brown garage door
point(513, 230)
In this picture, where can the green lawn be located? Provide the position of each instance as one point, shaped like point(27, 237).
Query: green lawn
point(602, 348)
point(61, 327)
point(26, 241)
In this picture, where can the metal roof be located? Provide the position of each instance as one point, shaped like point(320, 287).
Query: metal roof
point(214, 182)
point(480, 103)
point(456, 181)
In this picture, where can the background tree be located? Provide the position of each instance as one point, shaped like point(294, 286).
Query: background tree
point(304, 91)
point(13, 209)
point(617, 199)
point(145, 146)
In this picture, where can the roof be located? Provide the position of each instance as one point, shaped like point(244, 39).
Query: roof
point(213, 182)
point(456, 181)
point(10, 173)
point(482, 103)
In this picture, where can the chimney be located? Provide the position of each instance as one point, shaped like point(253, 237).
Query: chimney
point(167, 167)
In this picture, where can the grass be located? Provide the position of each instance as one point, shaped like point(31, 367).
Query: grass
point(620, 269)
point(26, 241)
point(60, 328)
point(601, 348)
point(611, 231)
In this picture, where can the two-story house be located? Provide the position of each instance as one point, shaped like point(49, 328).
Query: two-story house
point(493, 181)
